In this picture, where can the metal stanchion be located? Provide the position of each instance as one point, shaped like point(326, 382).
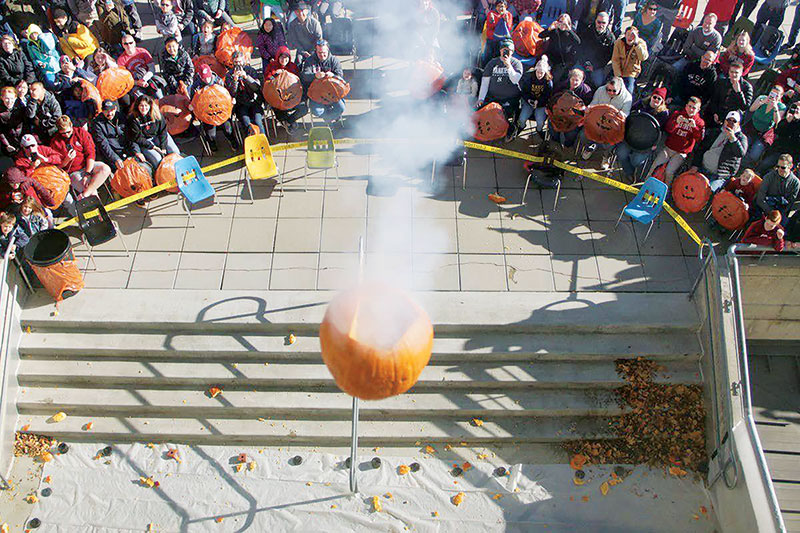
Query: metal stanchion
point(354, 428)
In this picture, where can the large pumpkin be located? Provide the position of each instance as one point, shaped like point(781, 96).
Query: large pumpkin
point(375, 341)
point(729, 210)
point(230, 41)
point(212, 105)
point(54, 180)
point(166, 170)
point(328, 90)
point(490, 122)
point(175, 109)
point(565, 111)
point(216, 67)
point(283, 91)
point(691, 192)
point(131, 179)
point(90, 92)
point(114, 83)
point(526, 38)
point(426, 79)
point(604, 123)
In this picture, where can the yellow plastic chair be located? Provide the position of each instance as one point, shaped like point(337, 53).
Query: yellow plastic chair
point(321, 153)
point(258, 160)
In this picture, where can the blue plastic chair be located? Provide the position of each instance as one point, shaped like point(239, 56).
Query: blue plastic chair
point(647, 204)
point(768, 45)
point(551, 11)
point(192, 183)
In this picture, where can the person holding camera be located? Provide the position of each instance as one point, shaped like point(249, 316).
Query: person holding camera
point(597, 45)
point(562, 45)
point(243, 84)
point(720, 157)
point(32, 155)
point(500, 84)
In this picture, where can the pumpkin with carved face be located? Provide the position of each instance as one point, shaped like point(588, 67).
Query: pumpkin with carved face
point(114, 83)
point(604, 124)
point(328, 90)
point(166, 170)
point(212, 62)
point(230, 41)
point(729, 210)
point(691, 191)
point(283, 91)
point(89, 92)
point(212, 105)
point(175, 109)
point(131, 179)
point(426, 79)
point(490, 122)
point(566, 111)
point(526, 38)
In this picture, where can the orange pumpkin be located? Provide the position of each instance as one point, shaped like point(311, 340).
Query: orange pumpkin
point(490, 122)
point(526, 38)
point(691, 191)
point(427, 79)
point(565, 111)
point(375, 341)
point(166, 170)
point(604, 123)
point(216, 67)
point(54, 180)
point(90, 92)
point(230, 41)
point(175, 109)
point(114, 83)
point(212, 105)
point(283, 91)
point(131, 179)
point(327, 91)
point(729, 211)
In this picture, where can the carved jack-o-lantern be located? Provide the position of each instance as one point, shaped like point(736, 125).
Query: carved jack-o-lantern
point(166, 170)
point(212, 105)
point(729, 210)
point(565, 111)
point(490, 122)
point(90, 92)
point(604, 124)
point(328, 90)
point(131, 179)
point(691, 192)
point(426, 79)
point(212, 62)
point(114, 83)
point(175, 109)
point(526, 38)
point(230, 41)
point(283, 91)
point(54, 180)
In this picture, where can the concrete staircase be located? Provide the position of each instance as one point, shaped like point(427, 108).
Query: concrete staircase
point(535, 368)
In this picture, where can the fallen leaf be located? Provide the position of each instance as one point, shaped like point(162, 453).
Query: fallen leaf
point(251, 466)
point(147, 482)
point(31, 498)
point(585, 498)
point(604, 488)
point(677, 471)
point(696, 517)
point(26, 427)
point(334, 506)
point(477, 422)
point(448, 447)
point(388, 495)
point(577, 461)
point(218, 520)
point(458, 498)
point(214, 392)
point(466, 466)
point(59, 416)
point(239, 466)
point(435, 513)
point(308, 483)
point(46, 457)
point(376, 504)
point(497, 496)
point(703, 509)
point(46, 479)
point(578, 481)
point(87, 426)
point(150, 445)
point(403, 470)
point(173, 454)
point(482, 456)
point(496, 198)
point(430, 449)
point(291, 339)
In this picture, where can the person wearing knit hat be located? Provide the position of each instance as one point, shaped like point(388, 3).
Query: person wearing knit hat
point(40, 47)
point(537, 86)
point(656, 106)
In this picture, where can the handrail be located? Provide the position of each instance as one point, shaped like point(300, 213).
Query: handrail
point(744, 383)
point(3, 280)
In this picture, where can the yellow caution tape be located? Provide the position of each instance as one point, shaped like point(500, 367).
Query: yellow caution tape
point(683, 224)
point(503, 151)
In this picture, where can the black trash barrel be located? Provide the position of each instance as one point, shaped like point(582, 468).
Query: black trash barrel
point(50, 255)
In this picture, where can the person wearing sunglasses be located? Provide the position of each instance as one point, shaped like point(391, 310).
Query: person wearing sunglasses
point(650, 26)
point(597, 44)
point(779, 188)
point(166, 20)
point(719, 156)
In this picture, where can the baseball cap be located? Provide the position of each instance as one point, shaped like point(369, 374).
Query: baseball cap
point(507, 43)
point(109, 104)
point(28, 140)
point(734, 115)
point(204, 70)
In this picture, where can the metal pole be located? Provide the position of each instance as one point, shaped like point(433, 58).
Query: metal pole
point(354, 426)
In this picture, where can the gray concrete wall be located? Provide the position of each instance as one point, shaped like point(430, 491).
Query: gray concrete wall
point(771, 295)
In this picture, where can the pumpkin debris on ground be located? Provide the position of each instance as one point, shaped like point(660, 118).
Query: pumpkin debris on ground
point(31, 444)
point(214, 391)
point(376, 504)
point(458, 499)
point(477, 422)
point(58, 417)
point(496, 198)
point(604, 488)
point(577, 461)
point(403, 470)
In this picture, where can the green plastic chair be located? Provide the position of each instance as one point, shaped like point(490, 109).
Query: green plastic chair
point(321, 153)
point(742, 24)
point(241, 11)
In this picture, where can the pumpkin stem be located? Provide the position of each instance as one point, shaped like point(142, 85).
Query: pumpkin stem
point(254, 129)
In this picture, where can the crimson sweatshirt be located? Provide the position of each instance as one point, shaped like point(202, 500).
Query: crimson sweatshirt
point(684, 131)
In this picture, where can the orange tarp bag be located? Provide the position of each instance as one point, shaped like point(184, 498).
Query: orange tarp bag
point(691, 191)
point(526, 38)
point(131, 179)
point(230, 41)
point(54, 180)
point(50, 255)
point(166, 170)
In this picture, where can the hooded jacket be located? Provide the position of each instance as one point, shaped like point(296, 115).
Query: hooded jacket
point(12, 122)
point(48, 156)
point(81, 142)
point(15, 67)
point(176, 69)
point(596, 48)
point(562, 46)
point(146, 134)
point(627, 60)
point(729, 160)
point(622, 100)
point(43, 54)
point(274, 65)
point(109, 138)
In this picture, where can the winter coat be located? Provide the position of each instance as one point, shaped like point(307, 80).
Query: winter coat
point(562, 46)
point(81, 142)
point(697, 81)
point(596, 48)
point(207, 8)
point(723, 9)
point(698, 43)
point(303, 36)
point(534, 90)
point(176, 69)
point(773, 184)
point(198, 84)
point(758, 234)
point(45, 113)
point(274, 65)
point(43, 54)
point(660, 114)
point(247, 90)
point(112, 23)
point(729, 160)
point(313, 64)
point(787, 136)
point(48, 156)
point(493, 19)
point(683, 131)
point(15, 67)
point(582, 91)
point(84, 10)
point(12, 122)
point(167, 24)
point(622, 100)
point(726, 58)
point(109, 138)
point(76, 40)
point(28, 186)
point(269, 44)
point(146, 134)
point(627, 60)
point(725, 100)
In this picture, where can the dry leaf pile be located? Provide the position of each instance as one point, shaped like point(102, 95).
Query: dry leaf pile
point(32, 444)
point(663, 425)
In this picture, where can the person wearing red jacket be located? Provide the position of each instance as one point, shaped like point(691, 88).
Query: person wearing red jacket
point(33, 155)
point(499, 23)
point(283, 61)
point(77, 152)
point(16, 186)
point(723, 9)
point(766, 232)
point(739, 51)
point(684, 129)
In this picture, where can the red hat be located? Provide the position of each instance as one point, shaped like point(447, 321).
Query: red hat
point(204, 70)
point(662, 92)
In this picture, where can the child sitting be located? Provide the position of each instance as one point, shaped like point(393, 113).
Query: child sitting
point(9, 230)
point(467, 87)
point(745, 186)
point(205, 42)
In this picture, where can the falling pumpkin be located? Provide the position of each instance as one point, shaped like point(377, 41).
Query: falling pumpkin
point(526, 38)
point(604, 123)
point(691, 191)
point(54, 180)
point(283, 91)
point(90, 92)
point(175, 109)
point(565, 111)
point(114, 83)
point(212, 105)
point(131, 179)
point(490, 122)
point(729, 211)
point(375, 341)
point(328, 90)
point(166, 170)
point(215, 66)
point(427, 79)
point(230, 41)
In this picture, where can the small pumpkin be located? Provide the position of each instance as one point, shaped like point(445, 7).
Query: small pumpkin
point(691, 191)
point(90, 92)
point(427, 79)
point(230, 41)
point(729, 211)
point(566, 111)
point(604, 123)
point(131, 179)
point(175, 109)
point(490, 122)
point(526, 38)
point(328, 90)
point(114, 83)
point(283, 91)
point(215, 66)
point(166, 170)
point(375, 341)
point(54, 180)
point(212, 105)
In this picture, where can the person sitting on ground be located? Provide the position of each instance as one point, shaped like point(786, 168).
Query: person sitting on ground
point(14, 65)
point(697, 79)
point(766, 231)
point(77, 151)
point(321, 65)
point(656, 106)
point(685, 128)
point(304, 33)
point(537, 87)
point(699, 41)
point(108, 131)
point(176, 66)
point(32, 155)
point(630, 52)
point(500, 84)
point(269, 40)
point(576, 83)
point(498, 29)
point(650, 26)
point(597, 45)
point(787, 138)
point(41, 49)
point(615, 94)
point(13, 117)
point(733, 93)
point(283, 61)
point(779, 188)
point(205, 42)
point(719, 157)
point(765, 113)
point(43, 111)
point(148, 134)
point(739, 51)
point(16, 186)
point(204, 77)
point(243, 83)
point(562, 45)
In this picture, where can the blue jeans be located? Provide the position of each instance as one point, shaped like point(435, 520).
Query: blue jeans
point(538, 114)
point(630, 84)
point(567, 138)
point(630, 159)
point(328, 113)
point(716, 185)
point(251, 114)
point(154, 158)
point(755, 151)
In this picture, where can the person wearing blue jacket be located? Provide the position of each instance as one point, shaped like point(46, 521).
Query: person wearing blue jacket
point(41, 49)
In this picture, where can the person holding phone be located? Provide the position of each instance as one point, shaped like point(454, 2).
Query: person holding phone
point(500, 84)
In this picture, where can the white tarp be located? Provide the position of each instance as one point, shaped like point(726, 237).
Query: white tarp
point(89, 495)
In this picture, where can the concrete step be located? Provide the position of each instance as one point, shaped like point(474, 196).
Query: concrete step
point(310, 376)
point(229, 432)
point(204, 347)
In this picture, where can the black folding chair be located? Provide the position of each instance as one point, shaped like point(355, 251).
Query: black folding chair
point(642, 133)
point(98, 229)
